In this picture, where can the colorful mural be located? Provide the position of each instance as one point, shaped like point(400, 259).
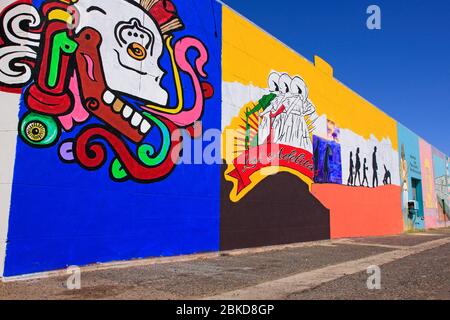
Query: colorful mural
point(272, 135)
point(105, 102)
point(412, 184)
point(327, 161)
point(103, 60)
point(105, 86)
point(286, 115)
point(441, 192)
point(275, 131)
point(429, 195)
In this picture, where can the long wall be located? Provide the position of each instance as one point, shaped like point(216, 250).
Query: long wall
point(151, 128)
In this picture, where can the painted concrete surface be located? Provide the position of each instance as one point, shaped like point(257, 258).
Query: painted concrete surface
point(8, 137)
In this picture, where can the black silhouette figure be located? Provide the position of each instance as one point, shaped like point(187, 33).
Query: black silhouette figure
point(352, 166)
point(387, 177)
point(326, 164)
point(358, 167)
point(375, 168)
point(365, 179)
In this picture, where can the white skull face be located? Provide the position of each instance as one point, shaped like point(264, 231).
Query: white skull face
point(131, 47)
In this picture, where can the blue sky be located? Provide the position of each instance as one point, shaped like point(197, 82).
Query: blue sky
point(404, 68)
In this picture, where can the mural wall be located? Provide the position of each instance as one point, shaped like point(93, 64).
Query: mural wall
point(411, 179)
point(428, 185)
point(106, 102)
point(104, 85)
point(441, 192)
point(271, 136)
point(283, 116)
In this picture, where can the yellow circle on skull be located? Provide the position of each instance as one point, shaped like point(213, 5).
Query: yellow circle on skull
point(137, 51)
point(36, 131)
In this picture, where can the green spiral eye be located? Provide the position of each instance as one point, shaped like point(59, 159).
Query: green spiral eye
point(39, 130)
point(36, 131)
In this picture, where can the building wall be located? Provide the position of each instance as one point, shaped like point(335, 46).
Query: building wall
point(429, 194)
point(442, 214)
point(411, 168)
point(337, 122)
point(8, 138)
point(162, 128)
point(98, 192)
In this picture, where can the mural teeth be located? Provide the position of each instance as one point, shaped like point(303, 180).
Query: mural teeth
point(145, 126)
point(108, 97)
point(127, 112)
point(136, 120)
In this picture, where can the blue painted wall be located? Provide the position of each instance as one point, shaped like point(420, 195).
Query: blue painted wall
point(410, 141)
point(440, 170)
point(334, 161)
point(62, 214)
point(439, 165)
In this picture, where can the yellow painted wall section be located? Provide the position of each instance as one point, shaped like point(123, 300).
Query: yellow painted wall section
point(249, 55)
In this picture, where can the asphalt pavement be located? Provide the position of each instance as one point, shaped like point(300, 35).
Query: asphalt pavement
point(412, 266)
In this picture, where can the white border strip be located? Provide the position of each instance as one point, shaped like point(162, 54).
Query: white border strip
point(8, 141)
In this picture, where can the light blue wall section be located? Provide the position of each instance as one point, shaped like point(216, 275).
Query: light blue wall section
point(409, 141)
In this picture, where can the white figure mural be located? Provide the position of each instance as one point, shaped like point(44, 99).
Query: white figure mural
point(368, 163)
point(285, 120)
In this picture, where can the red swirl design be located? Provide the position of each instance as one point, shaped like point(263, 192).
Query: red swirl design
point(92, 155)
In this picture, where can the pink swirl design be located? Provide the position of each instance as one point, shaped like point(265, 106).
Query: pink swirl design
point(188, 117)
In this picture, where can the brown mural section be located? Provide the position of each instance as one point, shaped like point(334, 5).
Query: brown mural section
point(279, 210)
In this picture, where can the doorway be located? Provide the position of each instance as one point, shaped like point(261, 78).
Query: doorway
point(416, 186)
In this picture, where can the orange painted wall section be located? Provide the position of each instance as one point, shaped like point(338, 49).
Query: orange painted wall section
point(357, 212)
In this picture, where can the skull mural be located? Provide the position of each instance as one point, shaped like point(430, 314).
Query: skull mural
point(99, 61)
point(131, 47)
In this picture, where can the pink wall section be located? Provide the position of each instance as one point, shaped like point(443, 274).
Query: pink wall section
point(429, 196)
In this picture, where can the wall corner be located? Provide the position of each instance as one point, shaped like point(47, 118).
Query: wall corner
point(323, 66)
